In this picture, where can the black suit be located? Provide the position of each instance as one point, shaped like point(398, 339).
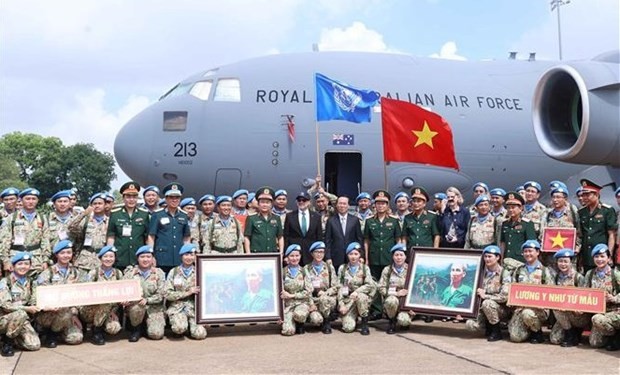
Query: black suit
point(337, 242)
point(293, 235)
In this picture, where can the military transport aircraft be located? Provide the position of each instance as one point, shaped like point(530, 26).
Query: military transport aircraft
point(514, 120)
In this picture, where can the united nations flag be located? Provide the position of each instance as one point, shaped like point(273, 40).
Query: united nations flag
point(338, 101)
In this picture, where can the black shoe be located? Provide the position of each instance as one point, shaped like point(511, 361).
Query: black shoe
point(391, 327)
point(51, 340)
point(7, 348)
point(327, 327)
point(568, 339)
point(97, 338)
point(496, 333)
point(613, 344)
point(136, 333)
point(364, 327)
point(374, 316)
point(299, 329)
point(487, 330)
point(537, 338)
point(428, 319)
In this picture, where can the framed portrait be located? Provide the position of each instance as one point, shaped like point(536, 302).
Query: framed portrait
point(443, 282)
point(238, 288)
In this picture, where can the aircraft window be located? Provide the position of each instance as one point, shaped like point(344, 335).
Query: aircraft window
point(227, 90)
point(181, 88)
point(175, 121)
point(211, 72)
point(201, 89)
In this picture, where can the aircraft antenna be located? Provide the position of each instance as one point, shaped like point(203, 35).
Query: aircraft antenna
point(556, 4)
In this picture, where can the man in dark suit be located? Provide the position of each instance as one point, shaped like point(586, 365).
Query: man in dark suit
point(341, 229)
point(302, 227)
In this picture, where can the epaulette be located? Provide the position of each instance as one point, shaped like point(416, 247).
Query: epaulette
point(143, 209)
point(182, 210)
point(525, 219)
point(432, 212)
point(394, 216)
point(157, 210)
point(116, 209)
point(605, 205)
point(253, 214)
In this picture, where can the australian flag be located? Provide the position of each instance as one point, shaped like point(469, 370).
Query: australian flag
point(343, 139)
point(339, 101)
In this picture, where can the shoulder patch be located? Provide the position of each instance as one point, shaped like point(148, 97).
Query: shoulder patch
point(142, 209)
point(525, 219)
point(605, 205)
point(116, 209)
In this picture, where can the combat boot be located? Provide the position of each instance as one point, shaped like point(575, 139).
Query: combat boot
point(496, 332)
point(98, 338)
point(299, 328)
point(7, 347)
point(51, 339)
point(569, 339)
point(613, 343)
point(391, 327)
point(487, 330)
point(364, 328)
point(537, 337)
point(327, 327)
point(136, 333)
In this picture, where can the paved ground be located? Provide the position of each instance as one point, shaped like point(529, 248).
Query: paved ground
point(437, 348)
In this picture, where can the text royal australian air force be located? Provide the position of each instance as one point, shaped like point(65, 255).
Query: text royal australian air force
point(423, 99)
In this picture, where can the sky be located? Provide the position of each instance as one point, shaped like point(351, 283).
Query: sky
point(79, 70)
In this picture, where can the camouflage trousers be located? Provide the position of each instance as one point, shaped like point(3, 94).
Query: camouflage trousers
point(356, 308)
point(604, 325)
point(86, 261)
point(16, 325)
point(155, 319)
point(102, 316)
point(391, 305)
point(61, 321)
point(566, 320)
point(325, 305)
point(491, 313)
point(524, 321)
point(181, 321)
point(294, 312)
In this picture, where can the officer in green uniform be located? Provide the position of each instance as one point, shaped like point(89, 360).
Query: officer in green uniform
point(263, 231)
point(420, 226)
point(128, 226)
point(598, 223)
point(515, 231)
point(381, 232)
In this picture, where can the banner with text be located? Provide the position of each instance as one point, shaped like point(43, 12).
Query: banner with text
point(82, 294)
point(557, 298)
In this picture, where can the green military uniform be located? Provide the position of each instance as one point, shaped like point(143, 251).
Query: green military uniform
point(595, 227)
point(263, 233)
point(513, 235)
point(420, 230)
point(15, 294)
point(129, 232)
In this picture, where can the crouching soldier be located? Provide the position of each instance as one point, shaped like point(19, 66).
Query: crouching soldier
point(296, 293)
point(393, 289)
point(324, 287)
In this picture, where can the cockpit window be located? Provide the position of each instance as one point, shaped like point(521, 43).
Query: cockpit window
point(201, 89)
point(175, 121)
point(181, 88)
point(227, 90)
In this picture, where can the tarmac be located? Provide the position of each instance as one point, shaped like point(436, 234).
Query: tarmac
point(435, 348)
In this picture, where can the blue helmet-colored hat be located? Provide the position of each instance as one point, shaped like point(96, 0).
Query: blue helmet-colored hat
point(29, 191)
point(564, 253)
point(482, 185)
point(206, 197)
point(152, 188)
point(106, 249)
point(599, 249)
point(492, 249)
point(251, 197)
point(440, 196)
point(533, 184)
point(61, 245)
point(97, 196)
point(353, 246)
point(519, 188)
point(146, 249)
point(239, 193)
point(400, 195)
point(481, 198)
point(531, 243)
point(617, 193)
point(497, 192)
point(61, 194)
point(281, 192)
point(223, 198)
point(317, 245)
point(291, 248)
point(363, 195)
point(188, 248)
point(9, 191)
point(399, 247)
point(21, 255)
point(189, 201)
point(560, 189)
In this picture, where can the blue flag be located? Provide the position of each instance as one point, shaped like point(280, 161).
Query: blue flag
point(338, 101)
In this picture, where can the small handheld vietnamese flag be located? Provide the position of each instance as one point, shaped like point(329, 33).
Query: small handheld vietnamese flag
point(555, 239)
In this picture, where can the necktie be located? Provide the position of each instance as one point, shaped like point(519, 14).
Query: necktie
point(304, 224)
point(343, 223)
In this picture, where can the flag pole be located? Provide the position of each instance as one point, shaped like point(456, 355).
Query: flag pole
point(318, 149)
point(385, 175)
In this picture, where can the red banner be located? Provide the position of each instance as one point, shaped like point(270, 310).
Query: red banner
point(553, 297)
point(555, 239)
point(82, 294)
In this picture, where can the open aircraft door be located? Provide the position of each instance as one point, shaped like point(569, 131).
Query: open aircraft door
point(343, 173)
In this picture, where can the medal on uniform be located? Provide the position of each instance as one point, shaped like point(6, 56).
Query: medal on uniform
point(126, 230)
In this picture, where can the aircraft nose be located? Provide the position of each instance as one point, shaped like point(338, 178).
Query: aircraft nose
point(133, 147)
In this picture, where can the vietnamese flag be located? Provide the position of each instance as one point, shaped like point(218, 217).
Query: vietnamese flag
point(555, 239)
point(413, 134)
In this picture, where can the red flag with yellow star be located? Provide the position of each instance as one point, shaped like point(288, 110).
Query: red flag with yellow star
point(413, 134)
point(555, 239)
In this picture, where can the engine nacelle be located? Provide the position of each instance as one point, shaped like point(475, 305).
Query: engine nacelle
point(576, 111)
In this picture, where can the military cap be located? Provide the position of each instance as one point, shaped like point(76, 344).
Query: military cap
point(131, 187)
point(19, 256)
point(497, 192)
point(362, 195)
point(188, 248)
point(399, 247)
point(519, 188)
point(317, 245)
point(353, 246)
point(512, 197)
point(617, 193)
point(97, 196)
point(9, 191)
point(381, 196)
point(481, 198)
point(239, 193)
point(189, 201)
point(61, 245)
point(207, 197)
point(61, 194)
point(303, 196)
point(533, 184)
point(106, 249)
point(29, 191)
point(251, 196)
point(599, 249)
point(223, 198)
point(555, 183)
point(109, 197)
point(291, 248)
point(589, 186)
point(400, 195)
point(564, 253)
point(531, 244)
point(152, 188)
point(480, 184)
point(264, 192)
point(162, 202)
point(281, 192)
point(419, 192)
point(146, 249)
point(560, 189)
point(440, 196)
point(492, 249)
point(317, 195)
point(173, 189)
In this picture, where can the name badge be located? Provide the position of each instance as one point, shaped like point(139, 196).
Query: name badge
point(62, 234)
point(19, 239)
point(316, 283)
point(126, 230)
point(345, 291)
point(164, 221)
point(178, 281)
point(392, 290)
point(88, 241)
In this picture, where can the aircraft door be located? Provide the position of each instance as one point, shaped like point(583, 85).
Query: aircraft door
point(227, 180)
point(343, 173)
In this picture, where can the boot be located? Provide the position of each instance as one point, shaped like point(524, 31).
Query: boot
point(569, 339)
point(7, 347)
point(495, 333)
point(51, 339)
point(98, 338)
point(613, 343)
point(327, 327)
point(136, 333)
point(299, 329)
point(428, 319)
point(488, 328)
point(537, 337)
point(364, 328)
point(391, 327)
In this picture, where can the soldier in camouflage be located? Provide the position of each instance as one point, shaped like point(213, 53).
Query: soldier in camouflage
point(188, 205)
point(324, 287)
point(9, 200)
point(364, 210)
point(392, 287)
point(89, 232)
point(479, 188)
point(296, 293)
point(483, 227)
point(533, 209)
point(223, 234)
point(60, 218)
point(560, 215)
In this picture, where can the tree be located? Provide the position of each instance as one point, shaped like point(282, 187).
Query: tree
point(89, 170)
point(10, 173)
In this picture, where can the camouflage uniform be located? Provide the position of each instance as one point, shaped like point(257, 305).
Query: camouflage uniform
point(194, 228)
point(525, 319)
point(152, 283)
point(605, 324)
point(105, 315)
point(181, 310)
point(14, 321)
point(500, 216)
point(58, 229)
point(481, 232)
point(360, 282)
point(567, 219)
point(535, 214)
point(566, 320)
point(61, 320)
point(296, 309)
point(363, 216)
point(493, 308)
point(90, 236)
point(323, 278)
point(392, 281)
point(202, 229)
point(223, 239)
point(35, 240)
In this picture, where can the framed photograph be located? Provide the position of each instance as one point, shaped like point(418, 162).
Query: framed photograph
point(239, 288)
point(443, 282)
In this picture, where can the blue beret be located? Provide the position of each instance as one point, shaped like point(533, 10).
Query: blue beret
point(291, 248)
point(599, 249)
point(531, 243)
point(317, 195)
point(240, 192)
point(161, 202)
point(61, 245)
point(492, 249)
point(399, 195)
point(481, 198)
point(206, 197)
point(223, 198)
point(251, 197)
point(399, 247)
point(482, 185)
point(173, 189)
point(21, 255)
point(498, 192)
point(146, 249)
point(188, 248)
point(560, 189)
point(97, 196)
point(519, 188)
point(363, 195)
point(353, 246)
point(579, 191)
point(151, 188)
point(108, 196)
point(441, 196)
point(317, 245)
point(29, 191)
point(61, 194)
point(564, 253)
point(617, 192)
point(533, 184)
point(281, 192)
point(106, 249)
point(9, 191)
point(555, 183)
point(189, 201)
